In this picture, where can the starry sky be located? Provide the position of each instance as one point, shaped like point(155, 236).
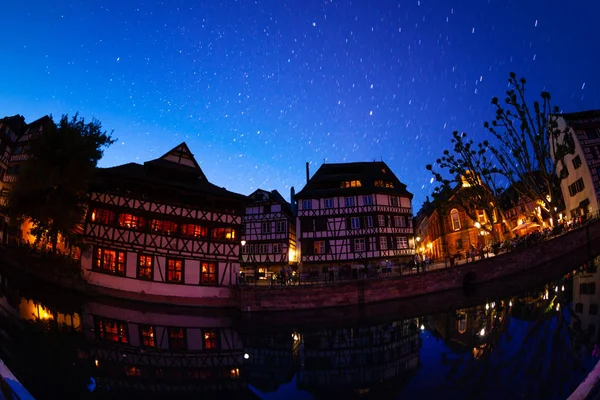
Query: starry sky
point(258, 88)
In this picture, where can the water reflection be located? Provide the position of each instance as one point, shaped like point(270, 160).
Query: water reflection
point(535, 344)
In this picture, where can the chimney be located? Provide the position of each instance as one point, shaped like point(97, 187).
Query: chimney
point(307, 173)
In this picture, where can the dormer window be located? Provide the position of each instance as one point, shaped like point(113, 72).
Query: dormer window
point(349, 184)
point(384, 184)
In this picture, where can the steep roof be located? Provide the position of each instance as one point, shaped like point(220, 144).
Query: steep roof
point(576, 116)
point(328, 179)
point(177, 169)
point(263, 196)
point(16, 123)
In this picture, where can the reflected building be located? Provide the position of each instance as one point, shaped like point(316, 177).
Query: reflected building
point(272, 358)
point(472, 329)
point(360, 359)
point(148, 351)
point(586, 298)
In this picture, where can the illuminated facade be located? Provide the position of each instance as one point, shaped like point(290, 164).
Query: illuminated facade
point(581, 185)
point(161, 228)
point(269, 234)
point(354, 215)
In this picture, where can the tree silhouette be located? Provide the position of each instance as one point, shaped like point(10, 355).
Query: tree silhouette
point(51, 189)
point(527, 138)
point(472, 180)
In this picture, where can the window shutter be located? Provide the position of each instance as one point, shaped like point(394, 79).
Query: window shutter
point(351, 245)
point(327, 247)
point(367, 244)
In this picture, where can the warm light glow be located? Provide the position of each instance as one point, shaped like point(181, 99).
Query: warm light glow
point(234, 373)
point(96, 362)
point(246, 356)
point(556, 289)
point(477, 225)
point(295, 337)
point(562, 288)
point(482, 333)
point(243, 242)
point(422, 327)
point(487, 306)
point(429, 246)
point(493, 304)
point(93, 216)
point(510, 303)
point(418, 238)
point(292, 255)
point(557, 306)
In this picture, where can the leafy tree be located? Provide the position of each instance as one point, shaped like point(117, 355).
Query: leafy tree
point(527, 137)
point(472, 181)
point(51, 189)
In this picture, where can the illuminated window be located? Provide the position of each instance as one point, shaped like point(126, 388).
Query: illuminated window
point(177, 339)
point(455, 219)
point(210, 339)
point(164, 227)
point(223, 233)
point(481, 216)
point(174, 270)
point(192, 230)
point(234, 373)
point(145, 266)
point(111, 330)
point(131, 370)
point(208, 273)
point(319, 247)
point(383, 243)
point(148, 336)
point(385, 184)
point(131, 221)
point(349, 184)
point(101, 216)
point(109, 261)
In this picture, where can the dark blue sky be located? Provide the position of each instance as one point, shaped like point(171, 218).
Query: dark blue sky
point(257, 88)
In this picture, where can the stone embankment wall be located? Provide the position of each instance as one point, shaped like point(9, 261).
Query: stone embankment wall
point(571, 248)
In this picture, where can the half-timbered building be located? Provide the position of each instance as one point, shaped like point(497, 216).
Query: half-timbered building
point(15, 135)
point(134, 352)
point(354, 215)
point(269, 235)
point(162, 228)
point(346, 362)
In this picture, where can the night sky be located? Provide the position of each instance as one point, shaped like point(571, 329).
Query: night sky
point(258, 88)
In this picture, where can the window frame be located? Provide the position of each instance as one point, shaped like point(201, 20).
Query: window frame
point(383, 243)
point(349, 201)
point(169, 272)
point(211, 336)
point(179, 339)
point(360, 245)
point(455, 222)
point(205, 276)
point(277, 246)
point(328, 203)
point(319, 247)
point(147, 338)
point(368, 200)
point(99, 260)
point(307, 204)
point(121, 332)
point(145, 266)
point(354, 222)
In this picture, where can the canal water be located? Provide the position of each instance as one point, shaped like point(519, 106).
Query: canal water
point(530, 337)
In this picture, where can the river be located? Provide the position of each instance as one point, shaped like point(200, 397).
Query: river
point(530, 336)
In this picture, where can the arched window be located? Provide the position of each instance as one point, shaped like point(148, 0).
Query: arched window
point(455, 219)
